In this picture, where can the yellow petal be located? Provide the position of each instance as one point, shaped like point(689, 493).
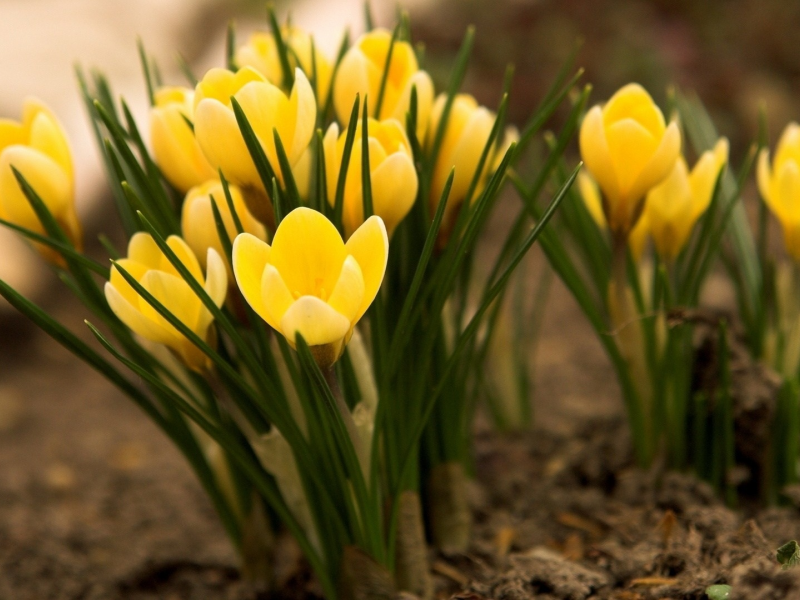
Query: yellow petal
point(633, 102)
point(219, 137)
point(45, 176)
point(134, 319)
point(369, 245)
point(143, 249)
point(347, 296)
point(250, 258)
point(787, 191)
point(394, 189)
point(134, 269)
point(596, 154)
point(591, 198)
point(216, 284)
point(305, 117)
point(661, 162)
point(47, 136)
point(351, 79)
point(315, 320)
point(276, 297)
point(764, 177)
point(308, 252)
point(788, 145)
point(631, 147)
point(176, 296)
point(185, 256)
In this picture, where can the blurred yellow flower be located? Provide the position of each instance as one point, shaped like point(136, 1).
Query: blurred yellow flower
point(637, 240)
point(361, 72)
point(466, 134)
point(37, 148)
point(394, 179)
point(151, 268)
point(673, 207)
point(309, 281)
point(268, 109)
point(628, 149)
point(261, 53)
point(779, 185)
point(199, 227)
point(175, 148)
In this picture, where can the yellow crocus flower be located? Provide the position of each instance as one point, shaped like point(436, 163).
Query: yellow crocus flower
point(175, 148)
point(361, 72)
point(394, 179)
point(628, 149)
point(674, 206)
point(37, 148)
point(309, 281)
point(199, 227)
point(268, 109)
point(261, 53)
point(467, 132)
point(153, 270)
point(637, 240)
point(779, 185)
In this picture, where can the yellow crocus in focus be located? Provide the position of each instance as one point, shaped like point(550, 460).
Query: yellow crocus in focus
point(361, 72)
point(37, 148)
point(673, 207)
point(628, 149)
point(309, 281)
point(261, 53)
point(267, 109)
point(466, 134)
point(150, 267)
point(392, 174)
point(175, 148)
point(199, 228)
point(637, 240)
point(779, 185)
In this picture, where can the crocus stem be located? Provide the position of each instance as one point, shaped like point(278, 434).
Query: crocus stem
point(344, 410)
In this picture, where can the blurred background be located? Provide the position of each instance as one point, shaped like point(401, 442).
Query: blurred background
point(80, 467)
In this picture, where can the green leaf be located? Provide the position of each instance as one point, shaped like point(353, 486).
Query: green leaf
point(148, 79)
point(292, 194)
point(283, 52)
point(230, 47)
point(385, 74)
point(254, 147)
point(366, 175)
point(788, 555)
point(338, 205)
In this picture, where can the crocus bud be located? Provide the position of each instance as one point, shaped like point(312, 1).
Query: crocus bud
point(392, 174)
point(155, 273)
point(267, 109)
point(175, 148)
point(628, 149)
point(309, 281)
point(38, 149)
point(675, 205)
point(466, 134)
point(361, 72)
point(261, 53)
point(779, 185)
point(637, 240)
point(199, 227)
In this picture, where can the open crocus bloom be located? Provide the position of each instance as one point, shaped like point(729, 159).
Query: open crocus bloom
point(261, 53)
point(38, 149)
point(628, 149)
point(309, 281)
point(675, 205)
point(267, 109)
point(392, 173)
point(362, 71)
point(153, 270)
point(779, 185)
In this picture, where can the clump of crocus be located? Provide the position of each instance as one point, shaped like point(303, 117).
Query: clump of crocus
point(37, 148)
point(628, 148)
point(674, 206)
point(779, 185)
point(309, 281)
point(175, 148)
point(363, 70)
point(392, 173)
point(269, 110)
point(151, 268)
point(199, 227)
point(261, 53)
